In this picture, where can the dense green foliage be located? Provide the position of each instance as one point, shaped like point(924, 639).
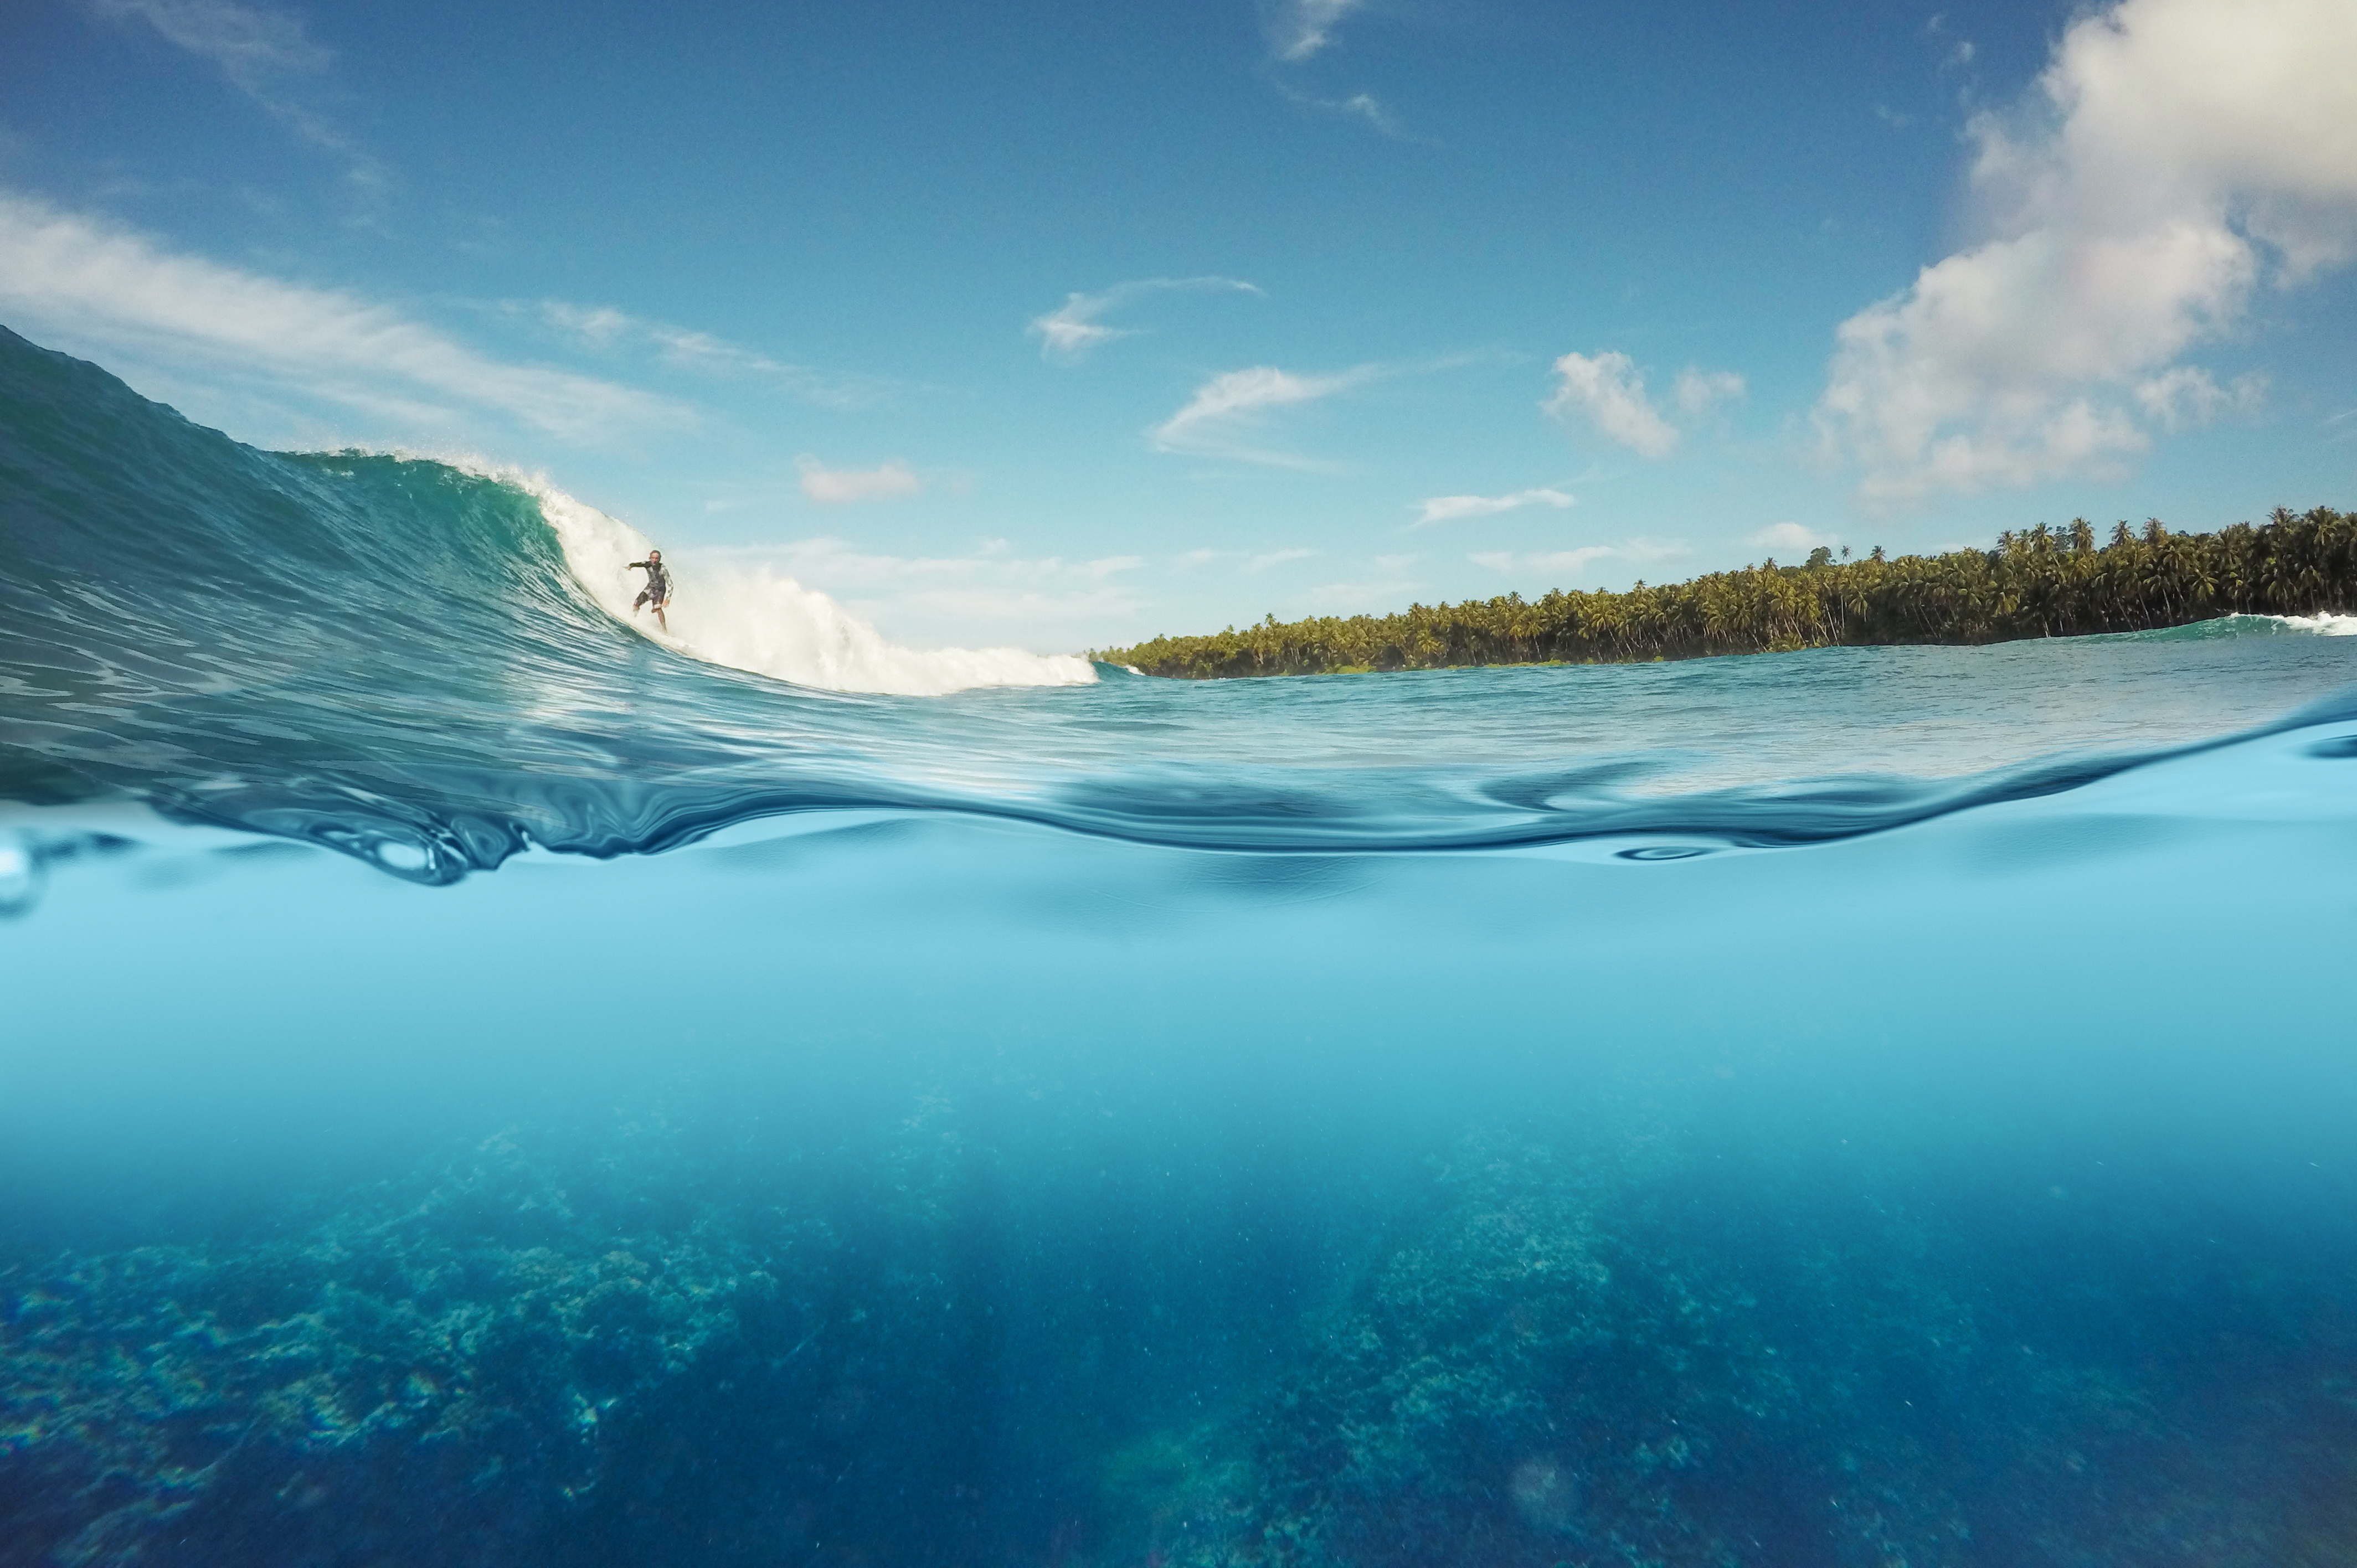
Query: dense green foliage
point(2042, 583)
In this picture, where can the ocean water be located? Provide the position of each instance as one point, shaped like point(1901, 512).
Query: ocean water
point(484, 1082)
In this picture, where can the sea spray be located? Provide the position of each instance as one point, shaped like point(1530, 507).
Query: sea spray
point(760, 621)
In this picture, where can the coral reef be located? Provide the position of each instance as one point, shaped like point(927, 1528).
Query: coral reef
point(1591, 1342)
point(1600, 1359)
point(426, 1373)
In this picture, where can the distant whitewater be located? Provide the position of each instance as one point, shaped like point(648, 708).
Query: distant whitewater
point(2324, 624)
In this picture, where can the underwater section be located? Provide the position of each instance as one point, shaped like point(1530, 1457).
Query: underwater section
point(904, 1190)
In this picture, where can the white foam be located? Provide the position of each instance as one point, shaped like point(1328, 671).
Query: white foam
point(757, 620)
point(2324, 624)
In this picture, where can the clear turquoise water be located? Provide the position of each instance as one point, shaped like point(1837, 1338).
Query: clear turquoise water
point(484, 1088)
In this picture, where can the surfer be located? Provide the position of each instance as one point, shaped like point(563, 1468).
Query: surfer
point(658, 589)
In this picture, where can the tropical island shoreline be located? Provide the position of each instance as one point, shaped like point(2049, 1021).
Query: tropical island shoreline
point(2044, 582)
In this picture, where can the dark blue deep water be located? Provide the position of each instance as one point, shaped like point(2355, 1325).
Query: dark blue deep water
point(481, 1085)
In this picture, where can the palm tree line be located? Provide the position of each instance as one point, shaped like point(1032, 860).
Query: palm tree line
point(2045, 582)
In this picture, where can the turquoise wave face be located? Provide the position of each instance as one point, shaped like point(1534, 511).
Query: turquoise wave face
point(1838, 1108)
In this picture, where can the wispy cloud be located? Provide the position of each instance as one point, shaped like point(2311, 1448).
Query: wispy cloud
point(1068, 334)
point(102, 284)
point(1298, 29)
point(832, 486)
point(2175, 155)
point(599, 325)
point(1957, 53)
point(266, 54)
point(1563, 564)
point(1379, 592)
point(1363, 106)
point(257, 47)
point(1508, 562)
point(1790, 536)
point(1455, 508)
point(1301, 28)
point(1226, 414)
point(2186, 395)
point(602, 326)
point(1699, 391)
point(1251, 561)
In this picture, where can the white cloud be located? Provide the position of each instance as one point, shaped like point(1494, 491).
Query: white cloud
point(266, 54)
point(1699, 391)
point(99, 284)
point(2175, 155)
point(1220, 419)
point(835, 486)
point(1790, 536)
point(1608, 390)
point(1455, 508)
point(1071, 331)
point(1299, 28)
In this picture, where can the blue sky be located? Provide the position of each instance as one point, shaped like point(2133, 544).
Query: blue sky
point(1061, 325)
